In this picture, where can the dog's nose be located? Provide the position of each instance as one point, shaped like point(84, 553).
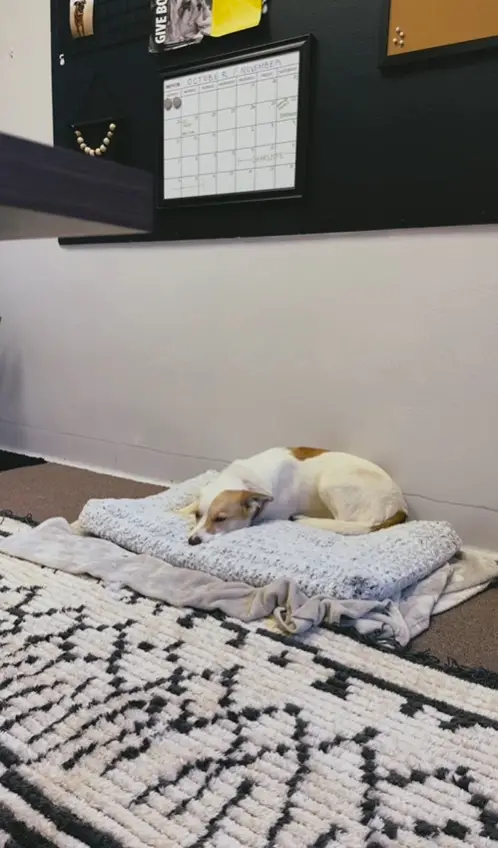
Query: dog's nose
point(194, 540)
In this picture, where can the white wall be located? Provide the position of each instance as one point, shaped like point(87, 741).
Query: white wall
point(163, 360)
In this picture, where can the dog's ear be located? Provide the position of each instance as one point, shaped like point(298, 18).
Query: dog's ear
point(255, 501)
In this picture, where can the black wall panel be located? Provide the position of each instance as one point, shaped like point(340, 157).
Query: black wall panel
point(408, 146)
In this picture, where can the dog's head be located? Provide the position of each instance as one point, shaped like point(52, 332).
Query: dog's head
point(227, 511)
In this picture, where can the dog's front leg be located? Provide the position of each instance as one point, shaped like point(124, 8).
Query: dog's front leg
point(188, 511)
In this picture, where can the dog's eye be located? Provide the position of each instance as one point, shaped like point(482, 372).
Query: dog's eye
point(220, 518)
point(197, 515)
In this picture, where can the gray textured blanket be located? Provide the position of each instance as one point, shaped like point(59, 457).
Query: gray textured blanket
point(370, 567)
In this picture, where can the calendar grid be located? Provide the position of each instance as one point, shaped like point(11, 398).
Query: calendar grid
point(232, 131)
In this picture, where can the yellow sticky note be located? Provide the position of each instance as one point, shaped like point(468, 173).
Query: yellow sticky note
point(233, 15)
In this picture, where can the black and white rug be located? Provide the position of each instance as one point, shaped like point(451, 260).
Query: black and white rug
point(126, 723)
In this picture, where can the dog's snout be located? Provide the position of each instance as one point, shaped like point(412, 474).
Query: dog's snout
point(194, 540)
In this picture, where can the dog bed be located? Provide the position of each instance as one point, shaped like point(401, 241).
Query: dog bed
point(370, 567)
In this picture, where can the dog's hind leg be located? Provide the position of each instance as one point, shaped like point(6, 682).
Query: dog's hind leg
point(333, 525)
point(350, 524)
point(352, 528)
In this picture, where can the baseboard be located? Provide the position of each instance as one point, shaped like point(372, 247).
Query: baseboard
point(119, 460)
point(477, 525)
point(97, 469)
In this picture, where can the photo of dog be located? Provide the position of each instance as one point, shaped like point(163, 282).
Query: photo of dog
point(81, 18)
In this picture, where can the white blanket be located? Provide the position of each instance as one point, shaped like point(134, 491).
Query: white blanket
point(280, 603)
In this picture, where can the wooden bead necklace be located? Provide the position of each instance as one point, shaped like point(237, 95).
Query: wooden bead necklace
point(95, 151)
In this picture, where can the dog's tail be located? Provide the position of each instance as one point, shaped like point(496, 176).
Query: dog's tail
point(352, 528)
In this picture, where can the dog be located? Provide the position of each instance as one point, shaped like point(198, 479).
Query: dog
point(79, 17)
point(324, 489)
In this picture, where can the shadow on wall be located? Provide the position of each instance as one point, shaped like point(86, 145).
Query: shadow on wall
point(11, 395)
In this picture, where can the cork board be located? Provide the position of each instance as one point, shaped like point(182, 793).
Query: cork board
point(420, 25)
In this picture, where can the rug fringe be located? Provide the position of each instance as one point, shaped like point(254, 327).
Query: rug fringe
point(24, 519)
point(478, 674)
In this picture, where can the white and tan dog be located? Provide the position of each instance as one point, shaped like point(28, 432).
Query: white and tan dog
point(325, 489)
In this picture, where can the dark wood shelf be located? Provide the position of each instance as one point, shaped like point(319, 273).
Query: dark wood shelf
point(50, 192)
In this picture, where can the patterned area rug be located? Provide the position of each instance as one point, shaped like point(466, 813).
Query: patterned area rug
point(125, 723)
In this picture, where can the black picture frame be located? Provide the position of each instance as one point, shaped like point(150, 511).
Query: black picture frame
point(303, 45)
point(432, 53)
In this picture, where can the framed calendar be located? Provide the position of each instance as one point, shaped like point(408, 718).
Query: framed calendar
point(235, 129)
